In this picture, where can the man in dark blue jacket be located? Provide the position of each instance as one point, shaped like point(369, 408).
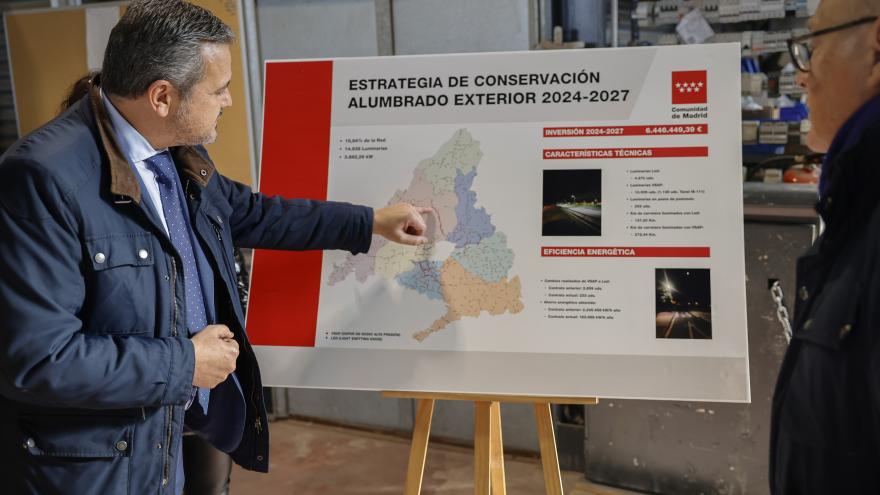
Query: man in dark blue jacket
point(825, 435)
point(119, 316)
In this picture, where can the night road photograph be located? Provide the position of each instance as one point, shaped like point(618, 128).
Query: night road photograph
point(572, 203)
point(684, 303)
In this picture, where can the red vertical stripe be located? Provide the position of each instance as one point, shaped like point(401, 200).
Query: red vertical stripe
point(285, 286)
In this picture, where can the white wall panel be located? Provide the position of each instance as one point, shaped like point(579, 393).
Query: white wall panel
point(456, 26)
point(316, 28)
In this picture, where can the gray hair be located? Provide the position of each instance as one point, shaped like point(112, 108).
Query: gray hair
point(159, 39)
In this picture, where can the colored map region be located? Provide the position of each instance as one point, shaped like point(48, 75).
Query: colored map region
point(472, 279)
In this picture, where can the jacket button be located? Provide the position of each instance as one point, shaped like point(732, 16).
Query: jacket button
point(808, 324)
point(121, 445)
point(29, 443)
point(143, 254)
point(100, 258)
point(203, 172)
point(804, 293)
point(845, 330)
point(259, 458)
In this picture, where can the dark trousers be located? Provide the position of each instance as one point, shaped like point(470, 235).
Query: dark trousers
point(207, 469)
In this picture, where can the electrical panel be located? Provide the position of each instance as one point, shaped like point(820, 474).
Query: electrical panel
point(669, 12)
point(775, 119)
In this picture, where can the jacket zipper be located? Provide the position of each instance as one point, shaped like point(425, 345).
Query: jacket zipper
point(165, 470)
point(258, 423)
point(218, 232)
point(170, 409)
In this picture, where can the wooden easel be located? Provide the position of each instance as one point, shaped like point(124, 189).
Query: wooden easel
point(488, 445)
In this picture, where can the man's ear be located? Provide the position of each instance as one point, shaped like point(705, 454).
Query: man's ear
point(160, 96)
point(874, 46)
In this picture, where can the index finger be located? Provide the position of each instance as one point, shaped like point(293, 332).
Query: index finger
point(412, 240)
point(417, 223)
point(225, 333)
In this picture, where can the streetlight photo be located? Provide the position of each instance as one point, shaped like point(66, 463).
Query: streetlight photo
point(684, 303)
point(572, 203)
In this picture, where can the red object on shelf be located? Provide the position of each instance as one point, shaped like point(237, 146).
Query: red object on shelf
point(802, 174)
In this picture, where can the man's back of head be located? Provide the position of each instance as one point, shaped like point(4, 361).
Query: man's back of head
point(159, 40)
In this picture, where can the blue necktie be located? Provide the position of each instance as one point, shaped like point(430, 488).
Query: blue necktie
point(180, 233)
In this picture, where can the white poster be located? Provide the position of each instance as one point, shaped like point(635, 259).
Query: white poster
point(586, 233)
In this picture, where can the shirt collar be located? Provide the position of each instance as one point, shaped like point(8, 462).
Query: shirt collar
point(134, 145)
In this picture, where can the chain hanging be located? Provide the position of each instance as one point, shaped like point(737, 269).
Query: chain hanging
point(781, 311)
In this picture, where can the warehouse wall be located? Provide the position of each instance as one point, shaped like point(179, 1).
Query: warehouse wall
point(316, 28)
point(347, 28)
point(456, 26)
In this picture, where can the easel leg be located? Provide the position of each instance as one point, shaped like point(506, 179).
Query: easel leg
point(547, 440)
point(482, 447)
point(419, 450)
point(499, 486)
point(488, 445)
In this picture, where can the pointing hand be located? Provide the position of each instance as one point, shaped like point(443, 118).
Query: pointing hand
point(402, 223)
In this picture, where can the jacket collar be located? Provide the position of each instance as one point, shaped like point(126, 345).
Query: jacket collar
point(849, 137)
point(123, 182)
point(851, 198)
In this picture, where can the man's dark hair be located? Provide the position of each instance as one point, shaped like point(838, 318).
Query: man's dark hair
point(159, 39)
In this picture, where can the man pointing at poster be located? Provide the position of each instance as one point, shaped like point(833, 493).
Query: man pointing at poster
point(120, 315)
point(826, 410)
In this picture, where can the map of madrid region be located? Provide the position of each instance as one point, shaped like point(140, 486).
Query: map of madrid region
point(473, 278)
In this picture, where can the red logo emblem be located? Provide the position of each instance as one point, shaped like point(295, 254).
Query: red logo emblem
point(689, 87)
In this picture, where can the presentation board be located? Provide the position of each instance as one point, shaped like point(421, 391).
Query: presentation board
point(586, 225)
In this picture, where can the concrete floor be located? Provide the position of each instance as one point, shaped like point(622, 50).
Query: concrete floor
point(312, 459)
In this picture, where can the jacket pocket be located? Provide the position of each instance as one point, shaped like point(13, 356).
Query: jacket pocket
point(76, 454)
point(833, 316)
point(122, 274)
point(821, 380)
point(115, 250)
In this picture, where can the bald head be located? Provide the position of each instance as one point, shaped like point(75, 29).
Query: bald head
point(832, 12)
point(844, 69)
point(848, 9)
point(862, 8)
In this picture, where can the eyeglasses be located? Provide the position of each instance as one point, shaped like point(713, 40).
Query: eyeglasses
point(799, 47)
